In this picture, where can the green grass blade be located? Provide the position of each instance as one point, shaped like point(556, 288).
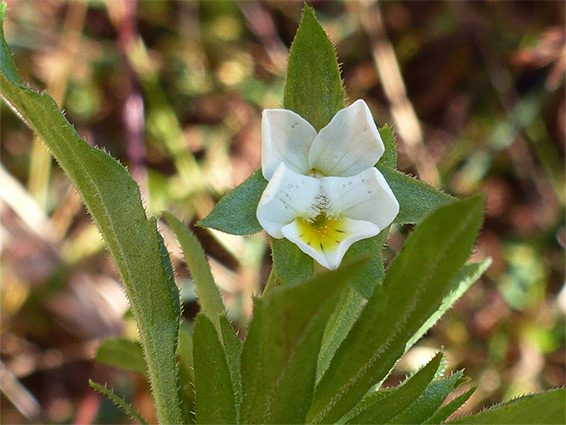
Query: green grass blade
point(281, 348)
point(415, 285)
point(214, 393)
point(544, 408)
point(113, 200)
point(208, 293)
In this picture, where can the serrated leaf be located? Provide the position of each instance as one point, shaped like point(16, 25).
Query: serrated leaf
point(544, 408)
point(118, 401)
point(413, 289)
point(215, 402)
point(416, 198)
point(445, 411)
point(235, 213)
point(209, 296)
point(313, 88)
point(123, 353)
point(379, 409)
point(389, 158)
point(112, 197)
point(291, 265)
point(465, 278)
point(281, 348)
point(429, 401)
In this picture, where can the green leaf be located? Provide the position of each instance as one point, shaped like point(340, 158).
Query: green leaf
point(467, 275)
point(291, 265)
point(112, 197)
point(379, 409)
point(233, 350)
point(313, 88)
point(413, 289)
point(425, 406)
point(545, 408)
point(215, 403)
point(416, 198)
point(372, 273)
point(340, 322)
point(123, 353)
point(209, 295)
point(281, 348)
point(118, 401)
point(186, 373)
point(445, 411)
point(389, 158)
point(235, 213)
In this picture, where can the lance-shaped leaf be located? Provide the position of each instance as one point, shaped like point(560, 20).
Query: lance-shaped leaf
point(449, 408)
point(544, 408)
point(313, 88)
point(429, 401)
point(123, 353)
point(215, 401)
point(113, 200)
point(291, 265)
point(380, 408)
point(235, 213)
point(416, 198)
point(281, 348)
point(413, 289)
point(208, 293)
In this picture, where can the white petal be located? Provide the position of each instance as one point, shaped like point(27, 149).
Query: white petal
point(288, 195)
point(350, 143)
point(354, 230)
point(285, 137)
point(365, 196)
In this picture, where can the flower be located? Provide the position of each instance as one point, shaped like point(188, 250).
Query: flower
point(324, 193)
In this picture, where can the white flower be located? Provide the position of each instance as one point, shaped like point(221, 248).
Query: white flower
point(324, 193)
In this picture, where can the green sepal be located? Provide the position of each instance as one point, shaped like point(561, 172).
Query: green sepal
point(290, 264)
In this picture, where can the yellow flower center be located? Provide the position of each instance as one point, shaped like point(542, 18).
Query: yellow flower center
point(322, 233)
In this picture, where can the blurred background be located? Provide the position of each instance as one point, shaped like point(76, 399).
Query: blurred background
point(174, 90)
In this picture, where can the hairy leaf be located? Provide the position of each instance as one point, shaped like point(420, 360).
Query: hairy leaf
point(544, 408)
point(123, 353)
point(416, 283)
point(235, 213)
point(118, 401)
point(313, 88)
point(215, 402)
point(416, 198)
point(208, 293)
point(113, 199)
point(379, 409)
point(281, 348)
